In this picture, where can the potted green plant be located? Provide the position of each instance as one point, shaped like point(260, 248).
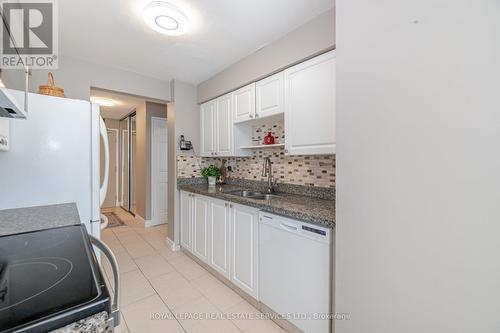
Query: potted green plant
point(212, 173)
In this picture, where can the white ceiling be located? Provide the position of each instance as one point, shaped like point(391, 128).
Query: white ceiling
point(112, 33)
point(124, 104)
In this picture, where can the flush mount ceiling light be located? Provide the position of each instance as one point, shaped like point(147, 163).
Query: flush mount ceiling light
point(102, 101)
point(165, 18)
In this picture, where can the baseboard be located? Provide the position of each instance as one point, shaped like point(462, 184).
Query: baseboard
point(174, 247)
point(153, 223)
point(147, 223)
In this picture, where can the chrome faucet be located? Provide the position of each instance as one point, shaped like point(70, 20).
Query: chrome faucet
point(267, 171)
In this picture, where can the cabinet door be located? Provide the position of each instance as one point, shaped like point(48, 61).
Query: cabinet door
point(310, 106)
point(269, 96)
point(244, 248)
point(219, 236)
point(186, 220)
point(244, 103)
point(224, 126)
point(200, 227)
point(207, 128)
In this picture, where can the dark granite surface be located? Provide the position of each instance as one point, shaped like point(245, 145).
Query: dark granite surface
point(13, 221)
point(301, 207)
point(309, 191)
point(94, 324)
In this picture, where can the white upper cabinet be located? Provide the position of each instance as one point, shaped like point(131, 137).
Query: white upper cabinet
point(269, 96)
point(224, 126)
point(207, 127)
point(310, 106)
point(219, 135)
point(244, 103)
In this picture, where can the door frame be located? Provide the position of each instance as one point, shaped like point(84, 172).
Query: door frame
point(122, 167)
point(117, 148)
point(129, 133)
point(154, 217)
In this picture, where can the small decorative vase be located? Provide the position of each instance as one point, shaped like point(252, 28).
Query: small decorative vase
point(211, 181)
point(269, 139)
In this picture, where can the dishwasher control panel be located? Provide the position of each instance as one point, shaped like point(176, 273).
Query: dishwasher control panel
point(297, 227)
point(315, 230)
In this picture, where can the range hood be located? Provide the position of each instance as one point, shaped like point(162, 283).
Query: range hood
point(9, 107)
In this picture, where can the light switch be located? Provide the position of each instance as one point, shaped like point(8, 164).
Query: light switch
point(4, 134)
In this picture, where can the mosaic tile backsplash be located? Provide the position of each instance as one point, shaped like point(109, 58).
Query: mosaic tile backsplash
point(299, 170)
point(318, 171)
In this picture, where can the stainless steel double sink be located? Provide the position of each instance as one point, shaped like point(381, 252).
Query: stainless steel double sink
point(252, 194)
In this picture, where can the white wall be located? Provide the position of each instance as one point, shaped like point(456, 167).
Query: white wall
point(77, 77)
point(183, 118)
point(418, 166)
point(314, 37)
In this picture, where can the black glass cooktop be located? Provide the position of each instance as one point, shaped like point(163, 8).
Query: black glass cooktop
point(48, 279)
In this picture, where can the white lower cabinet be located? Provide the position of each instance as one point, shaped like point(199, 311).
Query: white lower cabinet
point(186, 219)
point(223, 235)
point(200, 227)
point(244, 248)
point(219, 236)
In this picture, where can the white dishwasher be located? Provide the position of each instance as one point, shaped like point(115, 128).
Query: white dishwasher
point(296, 271)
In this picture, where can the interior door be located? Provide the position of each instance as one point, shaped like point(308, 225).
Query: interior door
point(111, 195)
point(159, 170)
point(124, 162)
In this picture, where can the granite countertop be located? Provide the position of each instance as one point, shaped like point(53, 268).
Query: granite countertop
point(97, 323)
point(304, 208)
point(13, 221)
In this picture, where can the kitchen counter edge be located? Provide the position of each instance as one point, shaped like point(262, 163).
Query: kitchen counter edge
point(311, 216)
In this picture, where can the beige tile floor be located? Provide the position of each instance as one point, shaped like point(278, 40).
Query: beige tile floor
point(166, 291)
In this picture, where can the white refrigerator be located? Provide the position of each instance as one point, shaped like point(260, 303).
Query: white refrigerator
point(53, 157)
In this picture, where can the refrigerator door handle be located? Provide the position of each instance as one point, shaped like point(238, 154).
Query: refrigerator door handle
point(104, 135)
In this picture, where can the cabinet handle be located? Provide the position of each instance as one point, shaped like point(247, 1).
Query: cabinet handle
point(286, 151)
point(256, 115)
point(230, 206)
point(226, 204)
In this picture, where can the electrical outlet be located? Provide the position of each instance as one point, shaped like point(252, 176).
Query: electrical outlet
point(4, 134)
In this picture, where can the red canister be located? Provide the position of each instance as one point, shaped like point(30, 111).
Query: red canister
point(269, 139)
